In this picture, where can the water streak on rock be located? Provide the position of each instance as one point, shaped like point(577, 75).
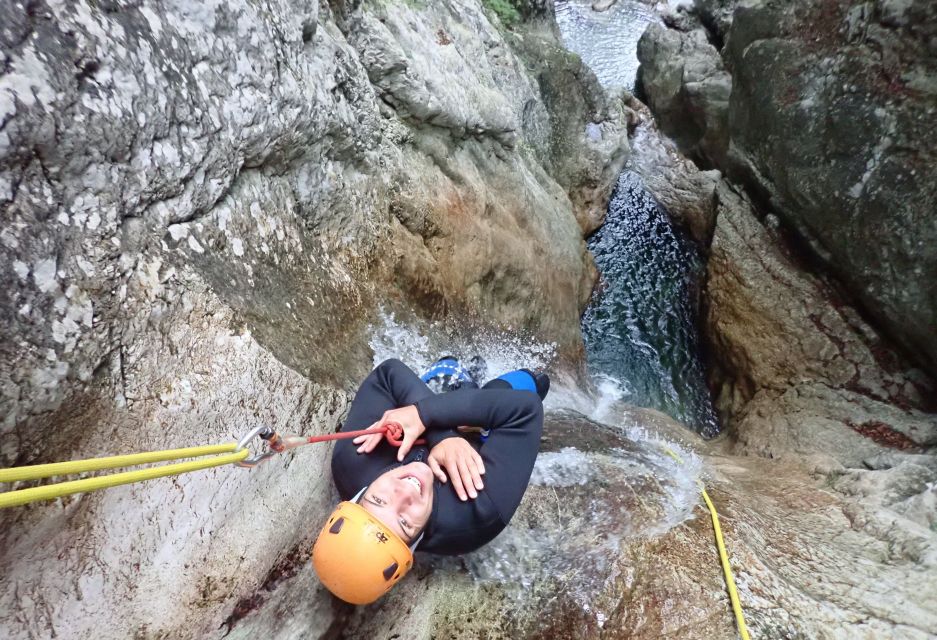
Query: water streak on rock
point(421, 346)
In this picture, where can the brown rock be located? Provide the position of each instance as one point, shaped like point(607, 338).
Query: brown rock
point(607, 544)
point(799, 367)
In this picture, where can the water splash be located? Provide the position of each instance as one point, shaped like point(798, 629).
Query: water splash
point(589, 505)
point(564, 468)
point(598, 402)
point(419, 345)
point(683, 475)
point(585, 504)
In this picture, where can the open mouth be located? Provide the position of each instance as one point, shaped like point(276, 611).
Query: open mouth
point(415, 482)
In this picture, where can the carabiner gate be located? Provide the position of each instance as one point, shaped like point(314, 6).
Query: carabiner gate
point(265, 433)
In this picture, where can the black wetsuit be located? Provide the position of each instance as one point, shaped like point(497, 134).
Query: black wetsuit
point(515, 418)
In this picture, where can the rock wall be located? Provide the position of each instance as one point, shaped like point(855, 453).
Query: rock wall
point(827, 125)
point(800, 375)
point(203, 206)
point(797, 367)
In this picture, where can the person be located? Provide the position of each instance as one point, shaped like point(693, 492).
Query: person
point(446, 494)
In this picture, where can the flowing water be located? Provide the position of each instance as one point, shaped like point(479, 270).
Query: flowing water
point(606, 40)
point(605, 496)
point(641, 327)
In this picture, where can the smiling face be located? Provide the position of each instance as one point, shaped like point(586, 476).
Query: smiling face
point(402, 499)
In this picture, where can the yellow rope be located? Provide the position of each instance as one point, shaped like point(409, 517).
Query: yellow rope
point(37, 471)
point(723, 557)
point(49, 492)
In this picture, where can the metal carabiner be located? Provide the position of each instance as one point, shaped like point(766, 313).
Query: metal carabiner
point(266, 433)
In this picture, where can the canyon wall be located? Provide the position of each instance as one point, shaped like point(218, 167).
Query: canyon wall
point(823, 111)
point(204, 207)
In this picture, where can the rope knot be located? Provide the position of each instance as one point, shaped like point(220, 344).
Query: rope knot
point(394, 433)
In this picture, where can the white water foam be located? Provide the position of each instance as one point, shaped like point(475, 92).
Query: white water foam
point(564, 468)
point(578, 552)
point(521, 559)
point(420, 347)
point(597, 403)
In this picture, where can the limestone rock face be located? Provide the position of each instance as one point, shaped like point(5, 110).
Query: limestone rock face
point(169, 557)
point(828, 123)
point(308, 164)
point(798, 368)
point(203, 205)
point(801, 371)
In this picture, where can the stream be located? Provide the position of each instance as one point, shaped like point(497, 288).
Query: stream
point(640, 328)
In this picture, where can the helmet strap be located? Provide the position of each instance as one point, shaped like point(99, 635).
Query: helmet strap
point(358, 495)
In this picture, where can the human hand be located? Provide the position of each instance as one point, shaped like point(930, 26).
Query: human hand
point(409, 420)
point(462, 462)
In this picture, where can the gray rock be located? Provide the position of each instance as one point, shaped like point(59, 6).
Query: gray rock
point(586, 160)
point(204, 206)
point(717, 15)
point(831, 109)
point(311, 166)
point(171, 556)
point(798, 369)
point(688, 90)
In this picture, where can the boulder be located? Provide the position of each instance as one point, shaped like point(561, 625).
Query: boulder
point(687, 87)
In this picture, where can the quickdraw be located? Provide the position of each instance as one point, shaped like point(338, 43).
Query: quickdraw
point(220, 454)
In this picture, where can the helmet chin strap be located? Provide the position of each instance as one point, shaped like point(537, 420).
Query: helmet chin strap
point(414, 543)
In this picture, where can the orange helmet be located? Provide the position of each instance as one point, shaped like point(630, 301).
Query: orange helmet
point(357, 557)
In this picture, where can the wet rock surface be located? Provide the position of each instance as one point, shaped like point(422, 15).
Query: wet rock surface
point(687, 193)
point(830, 105)
point(610, 542)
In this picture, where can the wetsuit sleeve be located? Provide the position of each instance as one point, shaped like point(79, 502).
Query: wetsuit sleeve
point(515, 419)
point(391, 385)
